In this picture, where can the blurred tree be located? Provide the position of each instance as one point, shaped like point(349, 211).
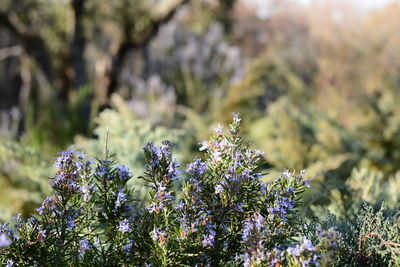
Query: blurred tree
point(62, 46)
point(55, 34)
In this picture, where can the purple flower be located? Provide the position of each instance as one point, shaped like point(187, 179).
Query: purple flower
point(263, 188)
point(173, 170)
point(246, 260)
point(208, 239)
point(219, 128)
point(85, 245)
point(219, 188)
point(259, 220)
point(101, 170)
point(307, 245)
point(124, 226)
point(161, 198)
point(4, 241)
point(239, 207)
point(216, 156)
point(85, 190)
point(41, 235)
point(197, 167)
point(295, 251)
point(286, 173)
point(236, 118)
point(204, 145)
point(158, 235)
point(253, 226)
point(9, 263)
point(70, 224)
point(65, 156)
point(120, 199)
point(129, 245)
point(164, 149)
point(123, 172)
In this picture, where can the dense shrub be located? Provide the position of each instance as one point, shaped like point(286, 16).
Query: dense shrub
point(223, 215)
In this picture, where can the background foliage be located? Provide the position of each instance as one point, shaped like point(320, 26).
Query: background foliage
point(317, 87)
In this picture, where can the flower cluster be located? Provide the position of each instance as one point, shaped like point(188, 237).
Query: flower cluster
point(223, 214)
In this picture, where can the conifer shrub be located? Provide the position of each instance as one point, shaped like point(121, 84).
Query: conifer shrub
point(222, 215)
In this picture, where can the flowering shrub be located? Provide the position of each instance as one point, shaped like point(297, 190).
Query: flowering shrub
point(224, 215)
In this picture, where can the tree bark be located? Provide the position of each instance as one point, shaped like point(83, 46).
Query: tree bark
point(33, 45)
point(78, 45)
point(128, 45)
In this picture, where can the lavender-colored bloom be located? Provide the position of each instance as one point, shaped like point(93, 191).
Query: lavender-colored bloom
point(9, 263)
point(129, 245)
point(219, 128)
point(85, 245)
point(197, 167)
point(246, 260)
point(252, 227)
point(86, 189)
point(154, 153)
point(173, 170)
point(204, 145)
point(263, 188)
point(236, 118)
point(164, 149)
point(101, 170)
point(259, 220)
point(65, 156)
point(41, 235)
point(123, 172)
point(47, 204)
point(18, 218)
point(124, 226)
point(40, 210)
point(4, 241)
point(216, 156)
point(96, 242)
point(70, 224)
point(180, 205)
point(158, 235)
point(295, 251)
point(208, 239)
point(219, 188)
point(161, 198)
point(120, 199)
point(286, 173)
point(154, 207)
point(305, 263)
point(239, 207)
point(307, 244)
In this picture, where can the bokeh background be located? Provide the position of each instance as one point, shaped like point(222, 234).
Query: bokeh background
point(316, 83)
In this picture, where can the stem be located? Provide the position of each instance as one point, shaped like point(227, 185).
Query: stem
point(365, 237)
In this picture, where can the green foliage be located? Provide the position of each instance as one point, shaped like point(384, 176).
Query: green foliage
point(372, 240)
point(123, 135)
point(23, 183)
point(348, 165)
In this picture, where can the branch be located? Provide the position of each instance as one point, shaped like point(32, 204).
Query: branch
point(154, 28)
point(128, 44)
point(78, 44)
point(33, 44)
point(11, 51)
point(365, 237)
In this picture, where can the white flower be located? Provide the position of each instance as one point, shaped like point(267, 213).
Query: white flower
point(204, 145)
point(286, 173)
